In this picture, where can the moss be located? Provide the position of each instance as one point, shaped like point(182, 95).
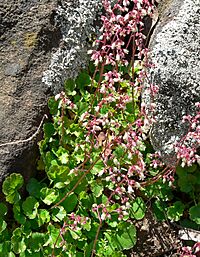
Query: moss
point(30, 39)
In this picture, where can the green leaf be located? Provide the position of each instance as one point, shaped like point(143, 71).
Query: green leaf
point(30, 206)
point(119, 151)
point(87, 225)
point(10, 186)
point(18, 214)
point(3, 225)
point(97, 188)
point(186, 180)
point(52, 237)
point(43, 217)
point(70, 87)
point(36, 241)
point(49, 130)
point(82, 107)
point(98, 167)
point(3, 209)
point(5, 249)
point(70, 203)
point(184, 185)
point(64, 158)
point(83, 80)
point(53, 105)
point(58, 214)
point(75, 235)
point(138, 209)
point(194, 212)
point(48, 195)
point(34, 187)
point(58, 173)
point(86, 200)
point(159, 190)
point(159, 210)
point(175, 211)
point(18, 241)
point(126, 236)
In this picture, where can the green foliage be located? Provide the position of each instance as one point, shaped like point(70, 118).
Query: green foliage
point(194, 212)
point(179, 203)
point(11, 186)
point(41, 227)
point(138, 208)
point(76, 209)
point(175, 211)
point(124, 237)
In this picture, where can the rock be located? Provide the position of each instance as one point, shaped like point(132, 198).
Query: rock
point(78, 21)
point(42, 43)
point(175, 51)
point(155, 238)
point(28, 35)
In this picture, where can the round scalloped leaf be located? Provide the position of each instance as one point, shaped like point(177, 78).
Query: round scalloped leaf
point(18, 241)
point(49, 195)
point(70, 203)
point(125, 236)
point(159, 210)
point(97, 188)
point(43, 217)
point(58, 214)
point(34, 187)
point(138, 209)
point(195, 213)
point(53, 105)
point(36, 241)
point(49, 130)
point(30, 206)
point(18, 214)
point(175, 211)
point(10, 186)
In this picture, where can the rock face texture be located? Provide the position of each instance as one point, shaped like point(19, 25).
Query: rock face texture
point(42, 43)
point(175, 51)
point(27, 36)
point(79, 20)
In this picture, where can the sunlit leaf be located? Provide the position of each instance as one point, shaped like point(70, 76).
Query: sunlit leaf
point(175, 211)
point(138, 209)
point(48, 195)
point(30, 206)
point(195, 213)
point(10, 186)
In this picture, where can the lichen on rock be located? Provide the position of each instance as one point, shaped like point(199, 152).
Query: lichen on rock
point(175, 51)
point(76, 19)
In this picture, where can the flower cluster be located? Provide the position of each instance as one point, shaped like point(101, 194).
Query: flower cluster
point(186, 149)
point(122, 21)
point(190, 251)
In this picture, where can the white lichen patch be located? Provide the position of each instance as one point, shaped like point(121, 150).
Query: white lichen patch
point(76, 20)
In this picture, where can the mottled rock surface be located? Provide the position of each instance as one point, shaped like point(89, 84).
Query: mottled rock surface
point(28, 35)
point(42, 43)
point(79, 20)
point(175, 50)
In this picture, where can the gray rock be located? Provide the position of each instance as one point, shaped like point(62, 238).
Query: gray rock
point(42, 43)
point(175, 50)
point(78, 21)
point(28, 36)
